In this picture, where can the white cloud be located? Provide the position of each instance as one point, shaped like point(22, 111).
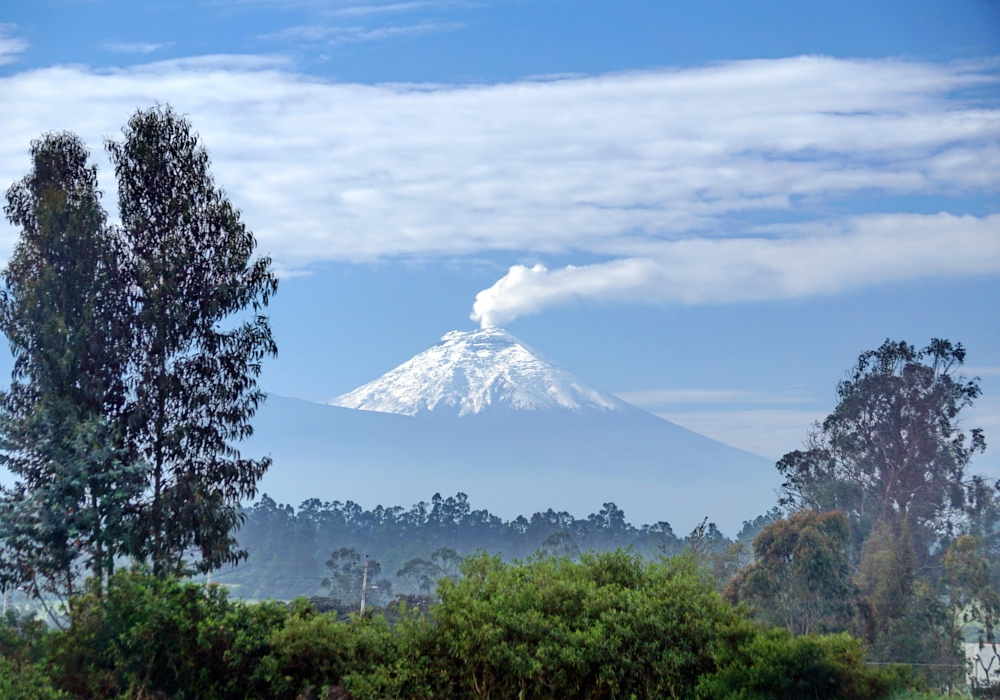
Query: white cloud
point(363, 10)
point(10, 46)
point(335, 35)
point(981, 371)
point(659, 397)
point(133, 47)
point(643, 167)
point(874, 248)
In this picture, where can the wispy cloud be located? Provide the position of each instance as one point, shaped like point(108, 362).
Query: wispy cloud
point(334, 35)
point(367, 10)
point(769, 434)
point(660, 397)
point(360, 8)
point(10, 46)
point(133, 47)
point(981, 371)
point(656, 172)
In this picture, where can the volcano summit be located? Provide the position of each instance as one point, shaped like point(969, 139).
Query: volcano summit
point(476, 373)
point(483, 413)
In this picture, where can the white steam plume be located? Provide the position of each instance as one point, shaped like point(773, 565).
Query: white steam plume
point(869, 249)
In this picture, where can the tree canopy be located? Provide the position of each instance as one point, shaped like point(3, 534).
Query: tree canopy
point(65, 311)
point(136, 353)
point(892, 449)
point(193, 383)
point(889, 536)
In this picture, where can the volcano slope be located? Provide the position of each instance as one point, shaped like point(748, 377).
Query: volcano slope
point(483, 413)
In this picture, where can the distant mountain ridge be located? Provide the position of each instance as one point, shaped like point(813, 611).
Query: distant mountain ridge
point(471, 373)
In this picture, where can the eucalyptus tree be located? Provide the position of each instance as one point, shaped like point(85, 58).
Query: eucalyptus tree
point(137, 350)
point(893, 450)
point(198, 339)
point(66, 315)
point(924, 532)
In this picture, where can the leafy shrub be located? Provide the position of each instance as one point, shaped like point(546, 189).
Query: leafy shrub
point(20, 637)
point(609, 626)
point(365, 655)
point(162, 636)
point(612, 625)
point(771, 665)
point(26, 681)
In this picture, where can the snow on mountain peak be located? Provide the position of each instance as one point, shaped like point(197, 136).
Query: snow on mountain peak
point(472, 372)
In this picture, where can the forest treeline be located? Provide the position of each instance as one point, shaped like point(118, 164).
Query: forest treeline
point(289, 549)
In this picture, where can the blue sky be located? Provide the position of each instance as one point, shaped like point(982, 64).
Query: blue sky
point(710, 208)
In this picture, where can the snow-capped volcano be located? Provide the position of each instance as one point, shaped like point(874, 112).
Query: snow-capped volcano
point(483, 413)
point(474, 372)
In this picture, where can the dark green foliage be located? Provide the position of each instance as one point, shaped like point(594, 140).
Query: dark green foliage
point(26, 681)
point(193, 382)
point(924, 535)
point(132, 381)
point(365, 655)
point(610, 626)
point(66, 314)
point(151, 635)
point(772, 666)
point(801, 579)
point(289, 548)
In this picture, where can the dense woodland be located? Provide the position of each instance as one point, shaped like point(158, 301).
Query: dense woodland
point(137, 348)
point(289, 549)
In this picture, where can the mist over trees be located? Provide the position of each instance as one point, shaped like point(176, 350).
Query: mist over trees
point(416, 547)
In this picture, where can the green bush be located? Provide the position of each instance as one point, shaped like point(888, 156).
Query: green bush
point(148, 636)
point(612, 625)
point(26, 681)
point(365, 655)
point(771, 665)
point(913, 694)
point(609, 626)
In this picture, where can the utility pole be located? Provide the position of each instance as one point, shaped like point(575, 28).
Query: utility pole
point(364, 585)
